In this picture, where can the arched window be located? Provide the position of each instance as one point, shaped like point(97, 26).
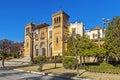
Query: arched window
point(42, 36)
point(36, 50)
point(35, 36)
point(43, 49)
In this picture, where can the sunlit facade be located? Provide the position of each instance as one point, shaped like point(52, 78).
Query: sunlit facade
point(49, 40)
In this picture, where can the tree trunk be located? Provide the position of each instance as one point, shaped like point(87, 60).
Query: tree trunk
point(80, 60)
point(55, 61)
point(84, 59)
point(95, 59)
point(76, 55)
point(40, 65)
point(3, 60)
point(116, 60)
point(107, 59)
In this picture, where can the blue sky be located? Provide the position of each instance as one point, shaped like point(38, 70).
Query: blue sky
point(15, 14)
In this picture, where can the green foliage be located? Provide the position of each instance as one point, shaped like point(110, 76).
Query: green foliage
point(37, 59)
point(70, 48)
point(69, 63)
point(84, 46)
point(104, 68)
point(15, 54)
point(99, 52)
point(112, 39)
point(87, 47)
point(52, 59)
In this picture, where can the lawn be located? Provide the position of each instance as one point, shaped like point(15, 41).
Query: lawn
point(105, 68)
point(49, 68)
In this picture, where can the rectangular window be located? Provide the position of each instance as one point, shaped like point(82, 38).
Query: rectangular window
point(36, 37)
point(27, 31)
point(57, 26)
point(73, 30)
point(42, 36)
point(94, 36)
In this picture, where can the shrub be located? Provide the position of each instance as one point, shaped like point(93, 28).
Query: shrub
point(69, 63)
point(104, 68)
point(15, 54)
point(37, 59)
point(52, 59)
point(0, 57)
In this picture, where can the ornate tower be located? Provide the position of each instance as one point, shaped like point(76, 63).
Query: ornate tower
point(59, 27)
point(28, 39)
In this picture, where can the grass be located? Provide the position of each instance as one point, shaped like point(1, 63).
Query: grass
point(105, 68)
point(49, 68)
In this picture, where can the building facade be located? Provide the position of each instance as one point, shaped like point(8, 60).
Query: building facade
point(49, 40)
point(95, 33)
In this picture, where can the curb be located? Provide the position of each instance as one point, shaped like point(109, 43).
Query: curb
point(18, 70)
point(52, 75)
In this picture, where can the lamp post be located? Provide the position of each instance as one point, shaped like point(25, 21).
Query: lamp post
point(31, 36)
point(99, 38)
point(105, 23)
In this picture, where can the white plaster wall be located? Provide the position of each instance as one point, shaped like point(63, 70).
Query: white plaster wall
point(79, 28)
point(91, 32)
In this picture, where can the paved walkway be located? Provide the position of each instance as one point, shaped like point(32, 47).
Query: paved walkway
point(17, 62)
point(8, 74)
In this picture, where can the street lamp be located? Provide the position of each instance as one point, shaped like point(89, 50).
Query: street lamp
point(99, 38)
point(32, 37)
point(105, 22)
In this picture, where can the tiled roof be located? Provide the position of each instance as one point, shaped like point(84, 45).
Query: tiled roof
point(41, 26)
point(96, 28)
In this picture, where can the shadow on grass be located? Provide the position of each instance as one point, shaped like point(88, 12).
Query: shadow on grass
point(82, 73)
point(51, 68)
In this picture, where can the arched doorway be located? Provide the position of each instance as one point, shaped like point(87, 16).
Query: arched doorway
point(50, 49)
point(43, 49)
point(36, 50)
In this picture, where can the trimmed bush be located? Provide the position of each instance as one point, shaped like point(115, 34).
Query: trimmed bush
point(37, 59)
point(104, 68)
point(15, 54)
point(69, 63)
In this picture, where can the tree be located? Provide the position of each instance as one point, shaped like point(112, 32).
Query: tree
point(99, 52)
point(15, 48)
point(79, 46)
point(112, 39)
point(72, 48)
point(4, 49)
point(85, 48)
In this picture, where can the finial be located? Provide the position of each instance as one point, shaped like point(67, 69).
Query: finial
point(60, 6)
